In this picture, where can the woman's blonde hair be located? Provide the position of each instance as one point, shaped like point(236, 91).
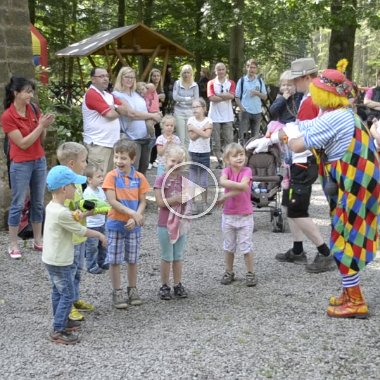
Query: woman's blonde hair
point(119, 79)
point(325, 99)
point(187, 67)
point(165, 119)
point(230, 150)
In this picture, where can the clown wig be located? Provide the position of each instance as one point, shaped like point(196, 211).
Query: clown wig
point(325, 99)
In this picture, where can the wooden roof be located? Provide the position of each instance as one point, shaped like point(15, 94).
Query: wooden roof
point(137, 39)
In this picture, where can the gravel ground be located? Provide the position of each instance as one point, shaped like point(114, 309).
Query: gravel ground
point(277, 330)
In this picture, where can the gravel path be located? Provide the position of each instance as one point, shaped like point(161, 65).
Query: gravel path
point(277, 330)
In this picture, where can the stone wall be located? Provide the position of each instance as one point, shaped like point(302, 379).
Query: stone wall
point(15, 59)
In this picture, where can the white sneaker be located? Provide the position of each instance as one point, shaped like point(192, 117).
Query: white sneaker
point(149, 166)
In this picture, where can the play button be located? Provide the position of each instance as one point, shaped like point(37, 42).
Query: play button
point(190, 191)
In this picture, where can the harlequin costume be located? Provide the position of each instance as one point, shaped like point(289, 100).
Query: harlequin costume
point(349, 166)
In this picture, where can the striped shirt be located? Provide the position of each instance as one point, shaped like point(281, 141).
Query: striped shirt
point(332, 131)
point(128, 190)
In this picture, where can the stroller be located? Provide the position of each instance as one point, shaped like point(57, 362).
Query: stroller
point(266, 187)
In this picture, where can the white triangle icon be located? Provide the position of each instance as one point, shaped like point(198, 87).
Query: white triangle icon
point(190, 190)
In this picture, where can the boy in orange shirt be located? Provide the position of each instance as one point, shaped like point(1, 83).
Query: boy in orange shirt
point(125, 189)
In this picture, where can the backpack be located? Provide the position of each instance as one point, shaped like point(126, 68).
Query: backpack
point(242, 86)
point(7, 146)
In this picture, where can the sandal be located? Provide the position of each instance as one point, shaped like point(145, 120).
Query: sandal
point(14, 253)
point(38, 247)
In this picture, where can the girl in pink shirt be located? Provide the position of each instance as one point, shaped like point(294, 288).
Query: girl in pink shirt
point(237, 219)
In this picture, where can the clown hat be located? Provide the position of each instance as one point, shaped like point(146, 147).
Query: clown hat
point(333, 81)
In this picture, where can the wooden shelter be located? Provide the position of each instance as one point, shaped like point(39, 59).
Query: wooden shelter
point(117, 45)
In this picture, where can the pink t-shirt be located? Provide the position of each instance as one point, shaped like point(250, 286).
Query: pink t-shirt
point(173, 185)
point(239, 204)
point(152, 102)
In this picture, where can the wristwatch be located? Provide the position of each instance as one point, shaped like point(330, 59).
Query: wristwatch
point(116, 108)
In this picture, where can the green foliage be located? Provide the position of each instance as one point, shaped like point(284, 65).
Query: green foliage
point(275, 32)
point(68, 118)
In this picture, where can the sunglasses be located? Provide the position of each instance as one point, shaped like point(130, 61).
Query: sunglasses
point(221, 88)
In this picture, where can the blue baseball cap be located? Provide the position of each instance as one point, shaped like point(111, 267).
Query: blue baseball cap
point(61, 175)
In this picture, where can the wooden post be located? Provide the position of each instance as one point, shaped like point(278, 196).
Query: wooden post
point(150, 63)
point(81, 75)
point(91, 61)
point(166, 60)
point(121, 58)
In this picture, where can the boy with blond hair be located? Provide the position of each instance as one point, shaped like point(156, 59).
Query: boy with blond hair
point(57, 253)
point(125, 189)
point(74, 156)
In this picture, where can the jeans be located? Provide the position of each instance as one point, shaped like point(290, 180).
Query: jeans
point(77, 266)
point(249, 122)
point(62, 294)
point(24, 176)
point(95, 252)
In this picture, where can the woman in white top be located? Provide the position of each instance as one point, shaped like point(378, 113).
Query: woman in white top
point(134, 126)
point(185, 90)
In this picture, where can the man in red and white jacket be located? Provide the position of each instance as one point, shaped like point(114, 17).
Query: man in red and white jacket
point(220, 92)
point(101, 126)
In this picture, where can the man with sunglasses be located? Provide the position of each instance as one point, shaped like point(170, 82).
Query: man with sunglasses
point(250, 92)
point(221, 92)
point(101, 126)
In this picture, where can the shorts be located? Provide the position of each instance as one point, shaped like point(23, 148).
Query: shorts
point(297, 197)
point(237, 231)
point(170, 252)
point(123, 247)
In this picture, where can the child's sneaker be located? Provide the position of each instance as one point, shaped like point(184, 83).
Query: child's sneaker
point(118, 299)
point(179, 291)
point(250, 279)
point(227, 278)
point(83, 306)
point(63, 337)
point(75, 315)
point(73, 326)
point(14, 253)
point(165, 293)
point(133, 297)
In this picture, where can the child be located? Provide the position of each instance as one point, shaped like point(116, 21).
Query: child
point(171, 235)
point(147, 91)
point(237, 220)
point(74, 155)
point(125, 189)
point(284, 108)
point(200, 129)
point(95, 252)
point(58, 250)
point(164, 140)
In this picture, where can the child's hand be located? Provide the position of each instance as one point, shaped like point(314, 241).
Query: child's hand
point(138, 218)
point(130, 225)
point(220, 202)
point(103, 240)
point(78, 215)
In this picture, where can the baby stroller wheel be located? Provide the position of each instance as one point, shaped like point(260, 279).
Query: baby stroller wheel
point(277, 220)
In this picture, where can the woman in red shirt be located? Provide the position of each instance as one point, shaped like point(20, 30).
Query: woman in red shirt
point(26, 129)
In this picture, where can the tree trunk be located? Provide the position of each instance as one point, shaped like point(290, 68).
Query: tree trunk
point(121, 14)
point(199, 37)
point(32, 11)
point(237, 44)
point(342, 40)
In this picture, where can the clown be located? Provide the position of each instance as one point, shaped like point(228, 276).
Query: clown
point(349, 168)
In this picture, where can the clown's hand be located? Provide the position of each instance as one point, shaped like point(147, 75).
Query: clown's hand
point(292, 131)
point(259, 145)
